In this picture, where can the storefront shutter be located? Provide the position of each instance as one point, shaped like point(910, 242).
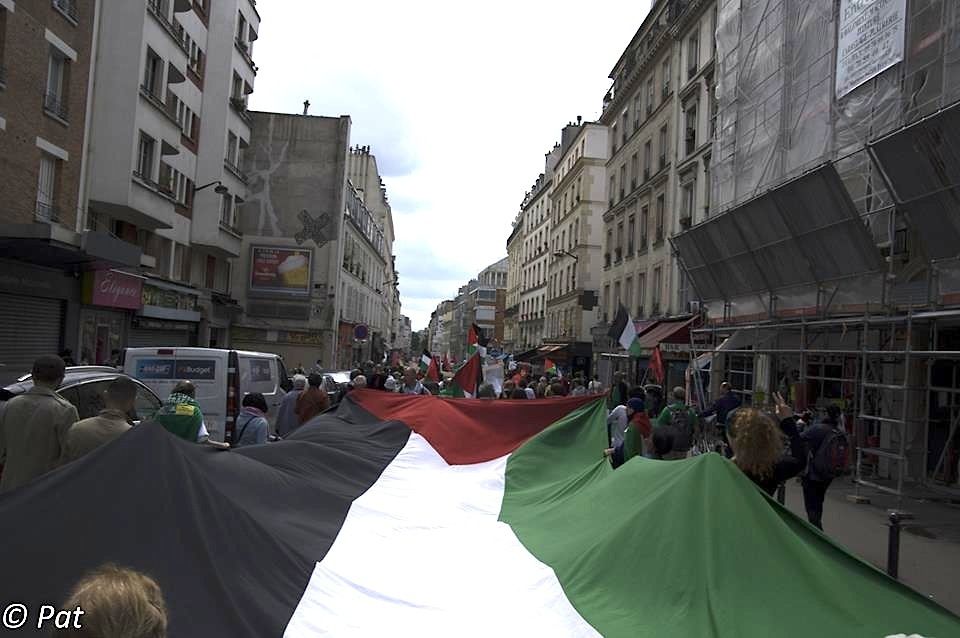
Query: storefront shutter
point(152, 338)
point(29, 327)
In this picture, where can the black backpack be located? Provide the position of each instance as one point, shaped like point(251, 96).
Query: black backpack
point(680, 428)
point(833, 456)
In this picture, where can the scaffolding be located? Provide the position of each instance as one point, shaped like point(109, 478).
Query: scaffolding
point(878, 368)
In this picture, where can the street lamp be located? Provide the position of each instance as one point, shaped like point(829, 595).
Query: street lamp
point(219, 190)
point(564, 253)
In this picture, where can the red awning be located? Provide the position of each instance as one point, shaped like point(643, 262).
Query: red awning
point(667, 331)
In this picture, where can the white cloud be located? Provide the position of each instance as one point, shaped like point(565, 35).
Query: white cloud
point(459, 102)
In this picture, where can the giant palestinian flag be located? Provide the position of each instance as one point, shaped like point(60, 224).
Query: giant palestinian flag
point(424, 516)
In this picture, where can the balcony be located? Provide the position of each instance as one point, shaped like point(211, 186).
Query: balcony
point(69, 10)
point(158, 9)
point(235, 170)
point(239, 105)
point(244, 50)
point(56, 106)
point(47, 212)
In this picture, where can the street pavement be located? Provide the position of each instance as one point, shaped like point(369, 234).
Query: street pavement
point(929, 544)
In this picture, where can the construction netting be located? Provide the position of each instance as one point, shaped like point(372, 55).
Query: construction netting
point(779, 116)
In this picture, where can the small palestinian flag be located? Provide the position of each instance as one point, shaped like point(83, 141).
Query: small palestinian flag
point(395, 515)
point(475, 341)
point(428, 366)
point(624, 332)
point(467, 379)
point(551, 368)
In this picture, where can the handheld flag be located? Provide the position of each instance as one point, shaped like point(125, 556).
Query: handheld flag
point(550, 367)
point(428, 366)
point(656, 365)
point(624, 332)
point(467, 379)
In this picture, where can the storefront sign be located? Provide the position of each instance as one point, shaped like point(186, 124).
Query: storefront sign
point(112, 289)
point(166, 298)
point(870, 37)
point(674, 347)
point(280, 270)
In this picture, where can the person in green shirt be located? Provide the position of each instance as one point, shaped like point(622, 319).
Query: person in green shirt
point(682, 422)
point(180, 414)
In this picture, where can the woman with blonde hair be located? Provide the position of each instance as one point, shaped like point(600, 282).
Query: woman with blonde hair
point(118, 603)
point(758, 449)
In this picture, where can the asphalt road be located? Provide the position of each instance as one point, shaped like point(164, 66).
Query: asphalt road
point(929, 544)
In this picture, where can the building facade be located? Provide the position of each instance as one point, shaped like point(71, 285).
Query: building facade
point(511, 312)
point(48, 255)
point(165, 165)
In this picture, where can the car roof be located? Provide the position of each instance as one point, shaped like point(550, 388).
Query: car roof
point(74, 375)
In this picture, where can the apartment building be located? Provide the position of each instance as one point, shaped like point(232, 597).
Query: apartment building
point(512, 298)
point(641, 113)
point(575, 243)
point(535, 220)
point(164, 162)
point(47, 254)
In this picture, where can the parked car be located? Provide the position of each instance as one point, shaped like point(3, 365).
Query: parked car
point(336, 384)
point(84, 387)
point(222, 378)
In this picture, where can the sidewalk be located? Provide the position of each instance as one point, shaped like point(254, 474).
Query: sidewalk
point(929, 544)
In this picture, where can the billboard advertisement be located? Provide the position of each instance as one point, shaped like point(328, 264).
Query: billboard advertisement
point(277, 270)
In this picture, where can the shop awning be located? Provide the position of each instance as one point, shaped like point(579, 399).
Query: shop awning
point(668, 331)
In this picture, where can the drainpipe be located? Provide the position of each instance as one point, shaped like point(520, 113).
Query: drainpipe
point(88, 115)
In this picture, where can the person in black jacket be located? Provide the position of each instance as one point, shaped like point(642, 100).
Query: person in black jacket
point(757, 445)
point(815, 485)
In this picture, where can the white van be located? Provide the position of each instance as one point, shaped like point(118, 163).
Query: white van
point(222, 378)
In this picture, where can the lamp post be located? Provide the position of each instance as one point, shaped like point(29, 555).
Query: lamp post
point(565, 253)
point(219, 190)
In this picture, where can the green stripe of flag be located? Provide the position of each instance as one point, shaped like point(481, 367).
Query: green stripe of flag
point(691, 548)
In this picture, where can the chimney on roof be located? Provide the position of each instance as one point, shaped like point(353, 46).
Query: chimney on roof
point(579, 120)
point(306, 106)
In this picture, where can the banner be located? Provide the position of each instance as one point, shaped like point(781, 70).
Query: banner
point(870, 37)
point(284, 271)
point(493, 374)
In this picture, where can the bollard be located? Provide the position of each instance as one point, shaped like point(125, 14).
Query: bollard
point(782, 493)
point(893, 546)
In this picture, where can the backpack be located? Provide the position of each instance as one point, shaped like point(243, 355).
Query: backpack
point(833, 456)
point(680, 428)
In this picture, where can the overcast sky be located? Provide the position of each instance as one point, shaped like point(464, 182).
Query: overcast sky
point(459, 102)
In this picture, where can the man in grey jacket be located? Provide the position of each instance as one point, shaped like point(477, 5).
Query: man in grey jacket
point(34, 425)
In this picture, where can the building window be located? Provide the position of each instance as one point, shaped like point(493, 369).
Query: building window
point(644, 225)
point(663, 147)
point(618, 252)
point(628, 293)
point(608, 302)
point(631, 230)
point(713, 109)
point(226, 210)
point(650, 97)
point(706, 187)
point(689, 196)
point(657, 277)
point(690, 129)
point(606, 255)
point(665, 71)
point(613, 141)
point(236, 91)
point(634, 170)
point(55, 99)
point(616, 298)
point(641, 294)
point(624, 122)
point(613, 188)
point(210, 276)
point(623, 181)
point(647, 159)
point(47, 189)
point(232, 148)
point(693, 54)
point(153, 74)
point(241, 29)
point(660, 213)
point(146, 151)
point(636, 113)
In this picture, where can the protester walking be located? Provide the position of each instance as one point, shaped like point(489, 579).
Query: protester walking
point(629, 430)
point(313, 401)
point(757, 445)
point(252, 427)
point(411, 384)
point(180, 413)
point(726, 403)
point(287, 420)
point(828, 455)
point(89, 434)
point(595, 386)
point(682, 422)
point(34, 426)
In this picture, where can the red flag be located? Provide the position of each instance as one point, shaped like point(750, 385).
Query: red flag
point(432, 374)
point(656, 365)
